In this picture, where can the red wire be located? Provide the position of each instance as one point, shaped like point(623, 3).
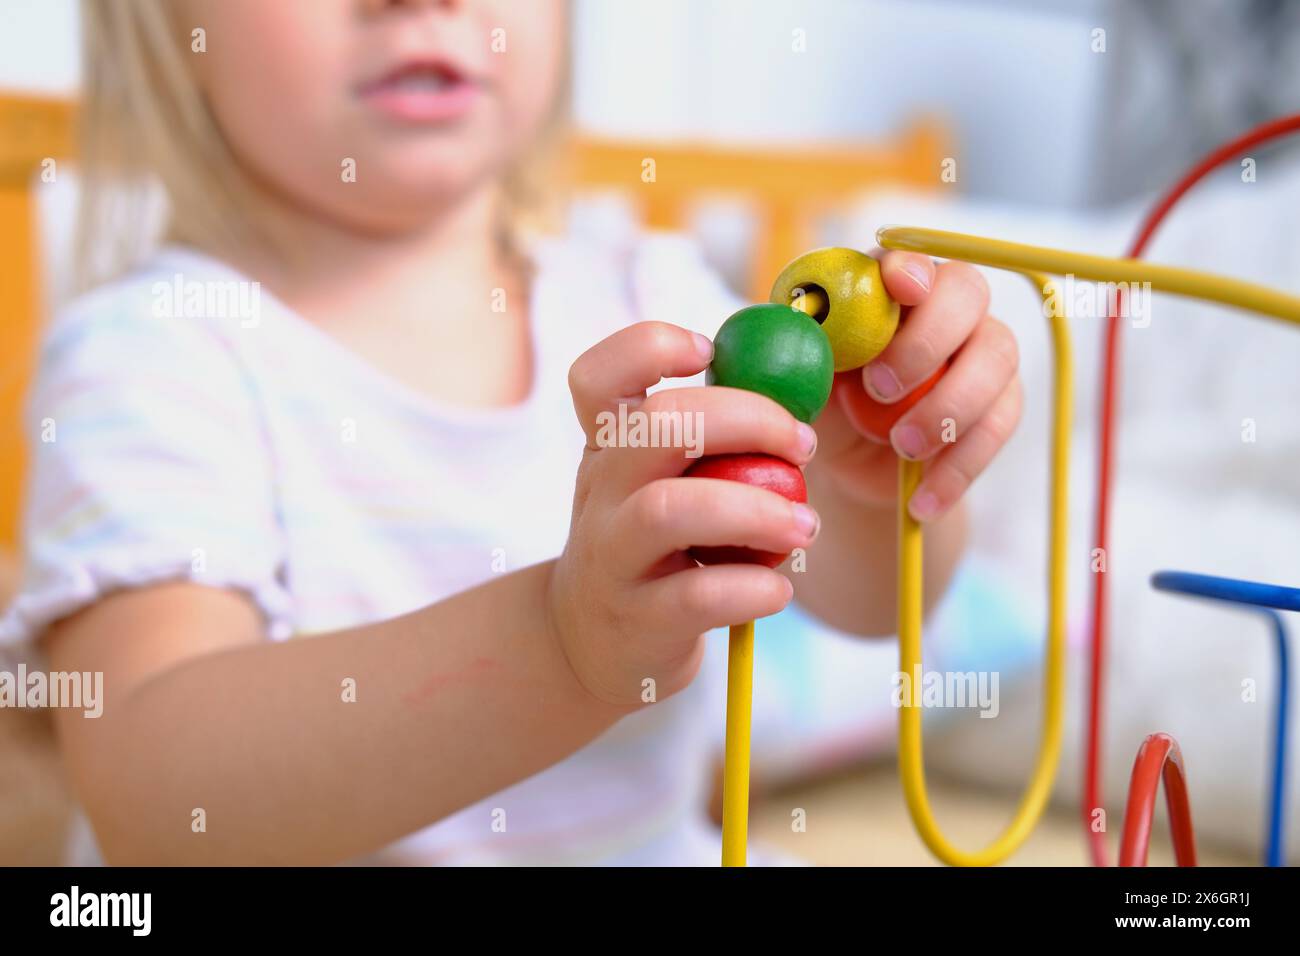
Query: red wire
point(1271, 130)
point(1158, 757)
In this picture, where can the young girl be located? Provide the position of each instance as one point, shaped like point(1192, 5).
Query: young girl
point(337, 406)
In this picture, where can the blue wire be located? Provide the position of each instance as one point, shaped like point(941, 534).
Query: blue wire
point(1228, 589)
point(1263, 598)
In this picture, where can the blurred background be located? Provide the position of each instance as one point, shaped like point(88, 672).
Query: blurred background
point(778, 125)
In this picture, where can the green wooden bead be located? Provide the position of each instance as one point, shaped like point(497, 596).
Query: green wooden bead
point(776, 351)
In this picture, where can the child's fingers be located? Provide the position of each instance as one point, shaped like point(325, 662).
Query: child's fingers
point(702, 598)
point(676, 427)
point(908, 276)
point(980, 373)
point(948, 476)
point(619, 369)
point(674, 514)
point(931, 332)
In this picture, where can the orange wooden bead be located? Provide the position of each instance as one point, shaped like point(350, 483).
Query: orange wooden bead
point(869, 416)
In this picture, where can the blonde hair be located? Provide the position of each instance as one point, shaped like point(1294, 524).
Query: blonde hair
point(144, 124)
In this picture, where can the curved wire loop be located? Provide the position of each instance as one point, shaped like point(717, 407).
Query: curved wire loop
point(1158, 759)
point(1267, 600)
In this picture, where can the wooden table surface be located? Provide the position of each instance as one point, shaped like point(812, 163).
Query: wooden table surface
point(859, 819)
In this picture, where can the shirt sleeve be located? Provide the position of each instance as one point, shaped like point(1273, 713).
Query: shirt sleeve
point(149, 463)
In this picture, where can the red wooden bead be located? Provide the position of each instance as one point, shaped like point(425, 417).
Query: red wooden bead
point(761, 471)
point(869, 416)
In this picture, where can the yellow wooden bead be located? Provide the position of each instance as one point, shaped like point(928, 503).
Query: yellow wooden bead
point(842, 289)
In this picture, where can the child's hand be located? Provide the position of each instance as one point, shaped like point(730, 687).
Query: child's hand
point(959, 425)
point(627, 602)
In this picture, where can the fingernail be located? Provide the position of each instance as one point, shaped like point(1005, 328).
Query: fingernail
point(920, 273)
point(704, 345)
point(881, 382)
point(806, 521)
point(923, 506)
point(908, 441)
point(807, 440)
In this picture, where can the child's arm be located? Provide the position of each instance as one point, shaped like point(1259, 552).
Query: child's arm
point(452, 703)
point(957, 428)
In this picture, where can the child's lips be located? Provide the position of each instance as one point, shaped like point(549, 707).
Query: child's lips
point(424, 105)
point(423, 93)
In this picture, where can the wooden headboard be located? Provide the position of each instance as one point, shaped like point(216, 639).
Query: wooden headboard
point(790, 187)
point(32, 131)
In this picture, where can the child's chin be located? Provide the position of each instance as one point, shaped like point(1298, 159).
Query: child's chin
point(425, 185)
point(432, 164)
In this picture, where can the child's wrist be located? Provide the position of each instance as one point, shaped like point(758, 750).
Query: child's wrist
point(831, 490)
point(559, 640)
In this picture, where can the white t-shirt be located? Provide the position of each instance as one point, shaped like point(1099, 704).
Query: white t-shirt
point(264, 456)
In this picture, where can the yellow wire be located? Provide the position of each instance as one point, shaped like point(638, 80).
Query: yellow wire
point(740, 679)
point(911, 761)
point(1033, 262)
point(1023, 258)
point(735, 773)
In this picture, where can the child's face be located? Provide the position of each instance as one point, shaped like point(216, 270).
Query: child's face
point(430, 99)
